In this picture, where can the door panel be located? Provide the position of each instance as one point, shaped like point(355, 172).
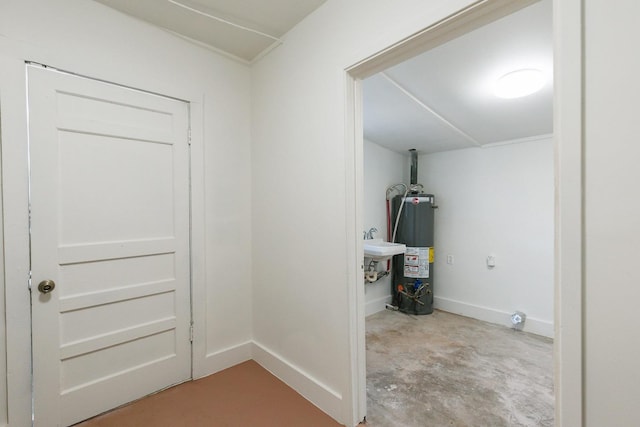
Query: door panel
point(129, 200)
point(109, 180)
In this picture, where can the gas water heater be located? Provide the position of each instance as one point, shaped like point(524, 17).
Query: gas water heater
point(413, 275)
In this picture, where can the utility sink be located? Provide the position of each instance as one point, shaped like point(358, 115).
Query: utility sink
point(377, 249)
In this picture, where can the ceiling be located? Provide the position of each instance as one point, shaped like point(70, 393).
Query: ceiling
point(440, 100)
point(443, 99)
point(244, 29)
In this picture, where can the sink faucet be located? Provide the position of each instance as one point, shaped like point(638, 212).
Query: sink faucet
point(368, 235)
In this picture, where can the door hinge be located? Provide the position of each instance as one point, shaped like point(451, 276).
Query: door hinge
point(191, 333)
point(189, 136)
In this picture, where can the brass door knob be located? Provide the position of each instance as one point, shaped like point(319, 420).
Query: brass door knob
point(46, 286)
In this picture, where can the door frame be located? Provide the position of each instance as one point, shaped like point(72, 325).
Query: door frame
point(15, 223)
point(568, 161)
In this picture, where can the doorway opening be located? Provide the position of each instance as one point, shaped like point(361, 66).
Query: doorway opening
point(501, 147)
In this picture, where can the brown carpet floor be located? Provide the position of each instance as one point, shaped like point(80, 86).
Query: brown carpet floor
point(241, 396)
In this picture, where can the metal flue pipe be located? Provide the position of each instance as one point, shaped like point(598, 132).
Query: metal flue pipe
point(414, 166)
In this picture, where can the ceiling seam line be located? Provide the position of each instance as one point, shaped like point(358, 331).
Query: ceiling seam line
point(430, 110)
point(224, 21)
point(532, 138)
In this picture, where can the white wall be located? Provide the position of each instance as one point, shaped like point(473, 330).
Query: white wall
point(611, 213)
point(382, 168)
point(90, 39)
point(301, 270)
point(499, 201)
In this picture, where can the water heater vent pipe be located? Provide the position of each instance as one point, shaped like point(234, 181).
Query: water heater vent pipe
point(414, 166)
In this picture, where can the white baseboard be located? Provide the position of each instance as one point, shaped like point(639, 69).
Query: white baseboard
point(533, 325)
point(223, 359)
point(311, 389)
point(376, 305)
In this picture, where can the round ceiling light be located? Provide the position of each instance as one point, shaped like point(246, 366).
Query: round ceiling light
point(519, 83)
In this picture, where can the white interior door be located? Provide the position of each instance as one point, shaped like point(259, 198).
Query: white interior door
point(110, 227)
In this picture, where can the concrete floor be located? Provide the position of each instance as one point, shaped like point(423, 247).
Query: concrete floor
point(447, 370)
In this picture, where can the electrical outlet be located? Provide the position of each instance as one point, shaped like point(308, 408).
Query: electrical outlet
point(450, 259)
point(491, 261)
